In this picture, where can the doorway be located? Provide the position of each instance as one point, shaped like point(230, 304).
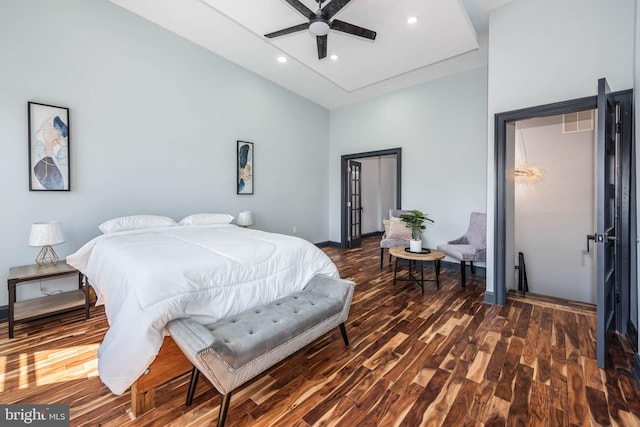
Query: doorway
point(554, 201)
point(355, 188)
point(621, 172)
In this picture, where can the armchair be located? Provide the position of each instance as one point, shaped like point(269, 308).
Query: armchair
point(472, 246)
point(391, 240)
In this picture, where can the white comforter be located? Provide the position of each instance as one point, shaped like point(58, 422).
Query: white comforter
point(146, 278)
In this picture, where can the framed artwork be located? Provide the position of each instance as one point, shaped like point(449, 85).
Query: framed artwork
point(245, 167)
point(48, 147)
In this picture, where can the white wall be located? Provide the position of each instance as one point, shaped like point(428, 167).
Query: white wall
point(553, 216)
point(378, 191)
point(441, 127)
point(370, 195)
point(546, 51)
point(388, 186)
point(154, 123)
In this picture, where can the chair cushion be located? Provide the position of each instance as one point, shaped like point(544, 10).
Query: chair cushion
point(390, 243)
point(464, 252)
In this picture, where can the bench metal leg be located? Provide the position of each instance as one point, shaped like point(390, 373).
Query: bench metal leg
point(345, 338)
point(192, 385)
point(463, 270)
point(224, 406)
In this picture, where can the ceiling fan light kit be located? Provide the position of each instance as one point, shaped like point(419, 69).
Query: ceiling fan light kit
point(319, 27)
point(320, 23)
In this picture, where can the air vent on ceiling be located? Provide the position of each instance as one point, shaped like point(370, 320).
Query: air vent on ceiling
point(577, 122)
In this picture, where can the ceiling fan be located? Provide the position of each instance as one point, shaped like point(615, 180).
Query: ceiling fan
point(320, 23)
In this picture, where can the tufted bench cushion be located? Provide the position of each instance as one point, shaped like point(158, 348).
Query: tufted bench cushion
point(231, 351)
point(240, 339)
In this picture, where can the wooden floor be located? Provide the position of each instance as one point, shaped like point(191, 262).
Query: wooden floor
point(444, 358)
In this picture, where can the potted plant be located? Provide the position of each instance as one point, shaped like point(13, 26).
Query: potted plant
point(415, 221)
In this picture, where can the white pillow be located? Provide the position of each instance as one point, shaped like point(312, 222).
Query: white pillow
point(135, 222)
point(398, 230)
point(206, 219)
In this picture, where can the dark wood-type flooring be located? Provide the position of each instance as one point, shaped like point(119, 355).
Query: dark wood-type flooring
point(444, 358)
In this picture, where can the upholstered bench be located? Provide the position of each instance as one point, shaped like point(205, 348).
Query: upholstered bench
point(232, 351)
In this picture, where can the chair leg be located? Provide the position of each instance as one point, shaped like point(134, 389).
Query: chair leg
point(463, 269)
point(381, 256)
point(345, 338)
point(473, 269)
point(224, 406)
point(192, 385)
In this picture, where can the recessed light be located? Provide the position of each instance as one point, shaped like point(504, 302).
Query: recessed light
point(282, 59)
point(412, 19)
point(334, 57)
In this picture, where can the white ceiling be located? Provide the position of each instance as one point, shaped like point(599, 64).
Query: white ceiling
point(450, 36)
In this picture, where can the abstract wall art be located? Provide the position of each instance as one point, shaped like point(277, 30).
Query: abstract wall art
point(48, 147)
point(245, 167)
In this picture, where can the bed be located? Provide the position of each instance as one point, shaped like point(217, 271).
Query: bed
point(146, 277)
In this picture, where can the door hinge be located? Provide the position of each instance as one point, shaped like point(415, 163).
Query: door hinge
point(619, 127)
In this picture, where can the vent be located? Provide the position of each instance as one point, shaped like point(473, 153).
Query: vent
point(580, 121)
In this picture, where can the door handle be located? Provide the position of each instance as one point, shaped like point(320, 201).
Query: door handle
point(599, 238)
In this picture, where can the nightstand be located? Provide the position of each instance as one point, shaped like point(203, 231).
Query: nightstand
point(22, 311)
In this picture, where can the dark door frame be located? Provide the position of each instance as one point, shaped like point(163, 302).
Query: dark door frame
point(354, 195)
point(344, 182)
point(626, 236)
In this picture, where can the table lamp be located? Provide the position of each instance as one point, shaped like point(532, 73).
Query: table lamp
point(46, 234)
point(245, 218)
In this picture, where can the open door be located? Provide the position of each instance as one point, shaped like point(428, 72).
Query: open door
point(606, 221)
point(355, 203)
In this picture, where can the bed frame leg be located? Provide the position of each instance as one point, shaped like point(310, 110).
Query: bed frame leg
point(224, 406)
point(345, 338)
point(195, 374)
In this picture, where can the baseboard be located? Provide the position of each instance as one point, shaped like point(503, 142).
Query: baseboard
point(4, 313)
point(323, 244)
point(335, 245)
point(373, 233)
point(489, 298)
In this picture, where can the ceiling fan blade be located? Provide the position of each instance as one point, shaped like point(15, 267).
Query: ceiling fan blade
point(294, 29)
point(304, 10)
point(345, 27)
point(322, 46)
point(334, 7)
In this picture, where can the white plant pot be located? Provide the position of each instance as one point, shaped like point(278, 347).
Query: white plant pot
point(415, 245)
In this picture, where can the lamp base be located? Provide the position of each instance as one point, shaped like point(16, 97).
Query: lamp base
point(46, 257)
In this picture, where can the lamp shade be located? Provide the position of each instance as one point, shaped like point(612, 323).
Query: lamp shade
point(245, 218)
point(45, 233)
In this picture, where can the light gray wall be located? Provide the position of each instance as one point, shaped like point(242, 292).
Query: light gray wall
point(441, 127)
point(636, 85)
point(154, 123)
point(553, 216)
point(547, 51)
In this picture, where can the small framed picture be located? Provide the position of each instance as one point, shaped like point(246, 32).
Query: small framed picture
point(245, 167)
point(48, 147)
